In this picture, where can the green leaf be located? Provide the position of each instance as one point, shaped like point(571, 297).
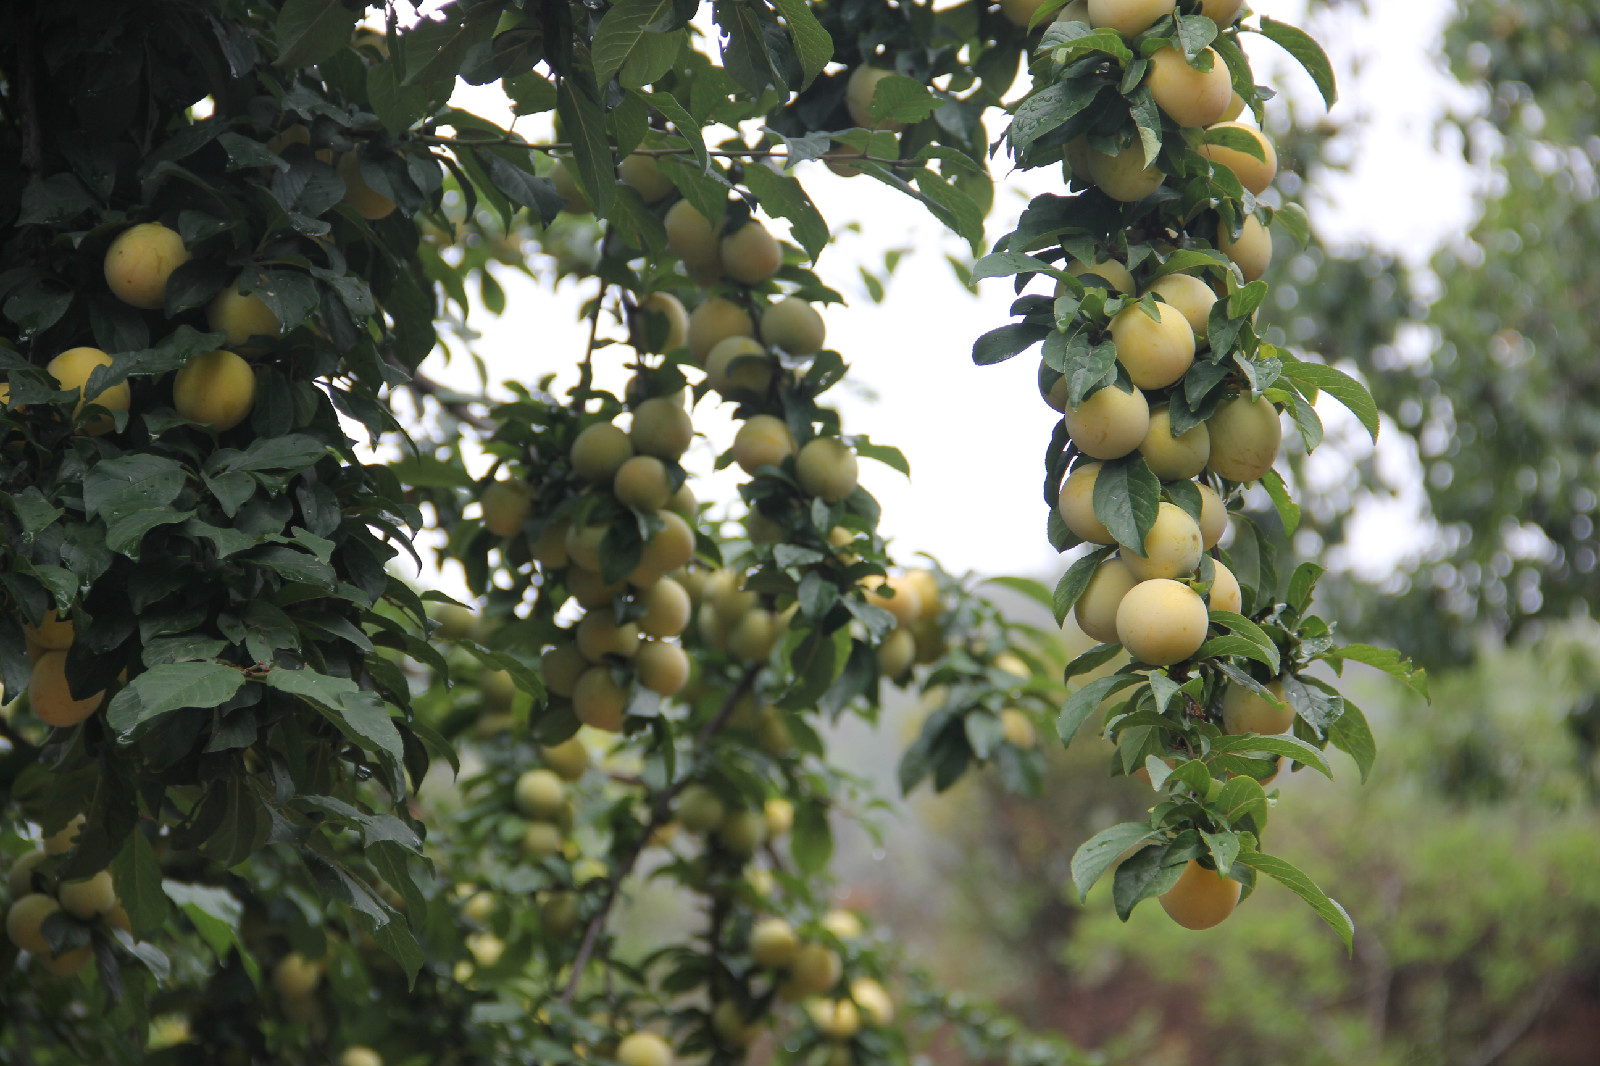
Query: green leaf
point(1289, 875)
point(783, 197)
point(1351, 734)
point(216, 915)
point(136, 872)
point(886, 454)
point(1092, 659)
point(1247, 629)
point(898, 98)
point(1292, 218)
point(1306, 51)
point(1097, 854)
point(358, 714)
point(1085, 700)
point(169, 687)
point(998, 345)
point(1243, 801)
point(620, 31)
point(1239, 140)
point(812, 44)
point(1126, 498)
point(310, 31)
point(1293, 747)
point(1288, 510)
point(1149, 872)
point(670, 109)
point(1073, 583)
point(1388, 660)
point(811, 842)
point(585, 123)
point(1007, 264)
point(1229, 644)
point(436, 51)
point(1224, 849)
point(1048, 108)
point(1028, 587)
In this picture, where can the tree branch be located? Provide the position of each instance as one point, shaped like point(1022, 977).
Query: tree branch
point(660, 815)
point(745, 153)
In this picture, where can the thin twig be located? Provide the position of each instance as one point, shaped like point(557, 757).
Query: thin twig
point(743, 153)
point(462, 410)
point(660, 815)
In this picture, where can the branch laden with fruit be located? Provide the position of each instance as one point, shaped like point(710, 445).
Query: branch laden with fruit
point(1171, 406)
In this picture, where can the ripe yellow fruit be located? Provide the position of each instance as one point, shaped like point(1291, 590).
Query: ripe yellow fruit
point(695, 240)
point(1213, 516)
point(753, 637)
point(1017, 729)
point(660, 306)
point(216, 389)
point(842, 924)
point(1162, 622)
point(540, 794)
point(540, 841)
point(1235, 109)
point(599, 635)
point(1202, 898)
point(1124, 176)
point(836, 1019)
point(51, 699)
point(713, 322)
point(739, 364)
point(793, 325)
point(1172, 547)
point(599, 451)
point(1128, 17)
point(64, 838)
point(506, 506)
point(858, 94)
point(662, 668)
point(1109, 271)
point(486, 948)
point(498, 689)
point(1155, 351)
point(1020, 12)
point(827, 469)
point(873, 999)
point(671, 548)
point(751, 255)
point(72, 368)
point(140, 261)
point(368, 202)
point(19, 881)
point(773, 943)
point(87, 898)
point(54, 633)
point(360, 1056)
point(898, 653)
point(479, 908)
point(241, 316)
point(1225, 592)
point(24, 919)
point(599, 701)
point(294, 134)
point(896, 595)
point(1074, 11)
point(762, 441)
point(1174, 458)
point(69, 962)
point(1252, 252)
point(662, 428)
point(1254, 174)
point(1191, 97)
point(1222, 12)
point(566, 183)
point(1109, 423)
point(549, 548)
point(644, 1049)
point(641, 174)
point(815, 969)
point(569, 759)
point(666, 609)
point(1246, 711)
point(583, 546)
point(642, 482)
point(1245, 434)
point(778, 812)
point(1192, 297)
point(296, 976)
point(588, 588)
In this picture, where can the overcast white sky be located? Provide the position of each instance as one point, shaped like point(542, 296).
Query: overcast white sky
point(975, 436)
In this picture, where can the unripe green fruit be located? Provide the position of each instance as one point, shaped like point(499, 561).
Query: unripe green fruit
point(549, 548)
point(25, 919)
point(599, 701)
point(751, 255)
point(671, 548)
point(1096, 609)
point(1245, 434)
point(826, 468)
point(1191, 97)
point(643, 483)
point(742, 832)
point(558, 914)
point(1054, 388)
point(540, 794)
point(241, 316)
point(794, 326)
point(506, 506)
point(1254, 174)
point(140, 261)
point(566, 183)
point(89, 897)
point(569, 759)
point(773, 944)
point(1076, 504)
point(455, 622)
point(1172, 547)
point(1191, 297)
point(599, 635)
point(661, 305)
point(762, 441)
point(641, 174)
point(1155, 351)
point(1174, 458)
point(699, 810)
point(1020, 12)
point(1252, 252)
point(1162, 622)
point(859, 91)
point(599, 451)
point(739, 364)
point(540, 841)
point(713, 322)
point(1244, 711)
point(1225, 592)
point(1109, 423)
point(1074, 11)
point(1124, 176)
point(1213, 516)
point(1128, 17)
point(662, 668)
point(662, 428)
point(836, 1019)
point(694, 239)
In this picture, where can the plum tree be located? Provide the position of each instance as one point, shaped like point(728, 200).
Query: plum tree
point(750, 255)
point(643, 175)
point(1254, 174)
point(540, 794)
point(599, 701)
point(599, 451)
point(661, 667)
point(241, 315)
point(1245, 434)
point(1251, 251)
point(1246, 711)
point(368, 202)
point(661, 325)
point(1161, 621)
point(1096, 610)
point(506, 506)
point(695, 240)
point(1123, 175)
point(714, 321)
point(599, 635)
point(1192, 297)
point(1155, 351)
point(139, 262)
point(826, 468)
point(860, 90)
point(762, 441)
point(739, 364)
point(1190, 95)
point(1172, 548)
point(793, 325)
point(662, 428)
point(216, 389)
point(1076, 504)
point(1107, 269)
point(50, 694)
point(1174, 458)
point(1202, 898)
point(1109, 423)
point(71, 370)
point(642, 482)
point(1128, 17)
